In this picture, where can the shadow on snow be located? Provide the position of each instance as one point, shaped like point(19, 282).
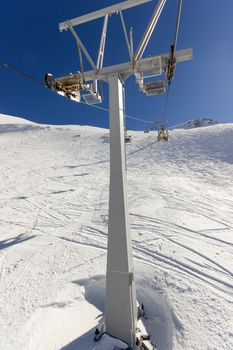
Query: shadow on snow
point(13, 241)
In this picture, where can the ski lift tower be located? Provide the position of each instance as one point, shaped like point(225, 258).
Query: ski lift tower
point(120, 306)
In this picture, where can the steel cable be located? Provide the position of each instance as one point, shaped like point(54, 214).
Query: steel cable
point(36, 81)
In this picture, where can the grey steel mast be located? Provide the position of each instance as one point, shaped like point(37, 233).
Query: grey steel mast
point(120, 308)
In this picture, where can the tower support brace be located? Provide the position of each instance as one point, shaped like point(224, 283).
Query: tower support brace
point(120, 312)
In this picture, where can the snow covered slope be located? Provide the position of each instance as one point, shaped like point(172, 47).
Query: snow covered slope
point(54, 211)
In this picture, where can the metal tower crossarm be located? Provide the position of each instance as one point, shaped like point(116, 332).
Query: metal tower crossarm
point(126, 69)
point(101, 13)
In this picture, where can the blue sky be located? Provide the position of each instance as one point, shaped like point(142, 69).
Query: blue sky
point(31, 41)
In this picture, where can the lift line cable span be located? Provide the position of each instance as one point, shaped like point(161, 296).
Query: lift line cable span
point(19, 72)
point(177, 24)
point(172, 60)
point(38, 82)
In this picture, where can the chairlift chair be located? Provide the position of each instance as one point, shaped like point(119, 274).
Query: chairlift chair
point(128, 138)
point(154, 88)
point(92, 98)
point(163, 134)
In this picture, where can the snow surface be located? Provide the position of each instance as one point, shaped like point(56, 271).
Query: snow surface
point(54, 213)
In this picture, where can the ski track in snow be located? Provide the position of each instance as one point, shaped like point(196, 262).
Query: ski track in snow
point(54, 214)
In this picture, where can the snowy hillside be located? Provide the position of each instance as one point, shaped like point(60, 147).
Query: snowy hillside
point(197, 123)
point(54, 213)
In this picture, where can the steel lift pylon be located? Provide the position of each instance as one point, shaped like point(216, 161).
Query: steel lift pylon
point(120, 307)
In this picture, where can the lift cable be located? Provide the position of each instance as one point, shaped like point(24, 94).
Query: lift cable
point(177, 24)
point(172, 60)
point(17, 71)
point(38, 82)
point(165, 104)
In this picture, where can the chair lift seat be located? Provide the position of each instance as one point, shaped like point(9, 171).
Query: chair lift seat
point(92, 98)
point(128, 139)
point(163, 135)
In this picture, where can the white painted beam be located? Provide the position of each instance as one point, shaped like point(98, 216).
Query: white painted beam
point(120, 307)
point(101, 13)
point(79, 42)
point(100, 58)
point(127, 69)
point(126, 35)
point(149, 29)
